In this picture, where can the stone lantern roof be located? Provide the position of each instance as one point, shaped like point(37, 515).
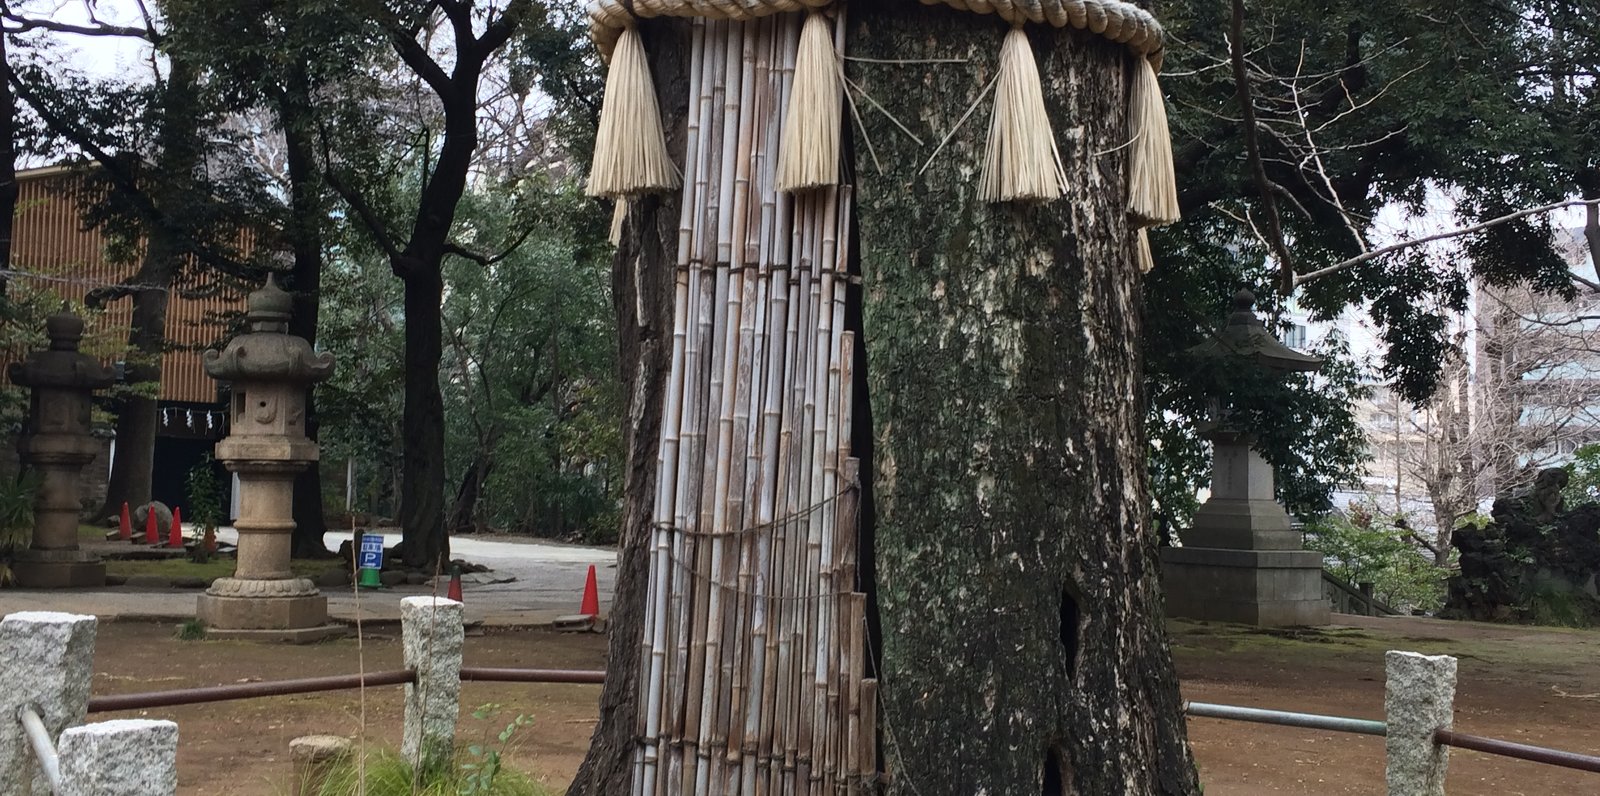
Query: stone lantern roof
point(1247, 337)
point(62, 365)
point(267, 352)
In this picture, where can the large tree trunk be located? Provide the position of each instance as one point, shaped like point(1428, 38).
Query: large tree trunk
point(422, 422)
point(1023, 645)
point(8, 166)
point(132, 469)
point(641, 295)
point(306, 216)
point(464, 511)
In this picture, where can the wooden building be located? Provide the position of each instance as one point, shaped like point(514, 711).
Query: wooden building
point(52, 249)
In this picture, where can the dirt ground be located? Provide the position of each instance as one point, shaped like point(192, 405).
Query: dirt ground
point(1531, 685)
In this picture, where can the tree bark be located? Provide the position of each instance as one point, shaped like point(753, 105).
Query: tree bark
point(1010, 459)
point(641, 279)
point(179, 156)
point(464, 511)
point(422, 422)
point(133, 467)
point(306, 216)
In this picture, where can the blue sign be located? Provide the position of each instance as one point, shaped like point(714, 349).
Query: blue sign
point(371, 551)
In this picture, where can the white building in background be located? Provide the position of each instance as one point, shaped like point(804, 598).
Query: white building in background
point(1526, 395)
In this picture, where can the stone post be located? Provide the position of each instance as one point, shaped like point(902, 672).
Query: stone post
point(115, 758)
point(46, 661)
point(56, 443)
point(432, 635)
point(270, 371)
point(1419, 697)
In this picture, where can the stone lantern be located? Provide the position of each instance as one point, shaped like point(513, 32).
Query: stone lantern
point(270, 371)
point(56, 443)
point(1242, 561)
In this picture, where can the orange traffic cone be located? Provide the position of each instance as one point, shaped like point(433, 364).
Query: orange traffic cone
point(175, 537)
point(591, 596)
point(454, 592)
point(151, 535)
point(125, 529)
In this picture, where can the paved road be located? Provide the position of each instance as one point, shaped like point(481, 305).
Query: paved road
point(548, 583)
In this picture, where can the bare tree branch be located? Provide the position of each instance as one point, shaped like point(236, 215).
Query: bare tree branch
point(1301, 279)
point(1252, 147)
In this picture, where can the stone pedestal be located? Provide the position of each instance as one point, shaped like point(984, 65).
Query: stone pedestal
point(1242, 561)
point(56, 443)
point(266, 447)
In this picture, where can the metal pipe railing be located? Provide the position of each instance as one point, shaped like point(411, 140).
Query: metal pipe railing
point(224, 693)
point(487, 674)
point(1285, 718)
point(1536, 754)
point(43, 747)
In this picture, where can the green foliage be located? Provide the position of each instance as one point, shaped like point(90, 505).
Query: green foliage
point(1583, 477)
point(204, 492)
point(528, 375)
point(16, 521)
point(479, 770)
point(1365, 548)
point(191, 630)
point(1306, 422)
point(1361, 110)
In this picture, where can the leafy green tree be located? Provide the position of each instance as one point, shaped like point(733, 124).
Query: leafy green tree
point(1364, 547)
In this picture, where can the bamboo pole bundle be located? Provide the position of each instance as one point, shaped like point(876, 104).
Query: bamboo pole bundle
point(754, 646)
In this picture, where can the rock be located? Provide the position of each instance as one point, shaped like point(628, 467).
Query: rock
point(416, 579)
point(116, 580)
point(148, 582)
point(332, 579)
point(392, 577)
point(163, 518)
point(190, 582)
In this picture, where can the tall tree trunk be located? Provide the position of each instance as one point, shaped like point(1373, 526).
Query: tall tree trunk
point(464, 511)
point(640, 280)
point(422, 421)
point(1007, 398)
point(179, 158)
point(132, 469)
point(306, 216)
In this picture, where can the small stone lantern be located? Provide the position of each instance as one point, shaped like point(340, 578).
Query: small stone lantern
point(270, 371)
point(1242, 561)
point(56, 443)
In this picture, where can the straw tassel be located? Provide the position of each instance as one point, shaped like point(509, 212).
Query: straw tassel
point(619, 214)
point(1022, 161)
point(630, 149)
point(1142, 251)
point(808, 156)
point(1152, 186)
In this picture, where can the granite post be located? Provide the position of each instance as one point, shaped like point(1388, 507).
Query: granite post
point(1242, 561)
point(46, 662)
point(120, 757)
point(56, 444)
point(1419, 697)
point(266, 446)
point(432, 636)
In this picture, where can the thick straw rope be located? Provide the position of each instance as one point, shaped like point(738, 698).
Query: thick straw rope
point(1121, 22)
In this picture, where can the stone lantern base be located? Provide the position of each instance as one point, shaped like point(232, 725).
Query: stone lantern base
point(1266, 588)
point(266, 610)
point(58, 569)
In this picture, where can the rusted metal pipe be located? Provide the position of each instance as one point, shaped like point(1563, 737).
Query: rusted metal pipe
point(224, 693)
point(486, 674)
point(1285, 718)
point(1536, 754)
